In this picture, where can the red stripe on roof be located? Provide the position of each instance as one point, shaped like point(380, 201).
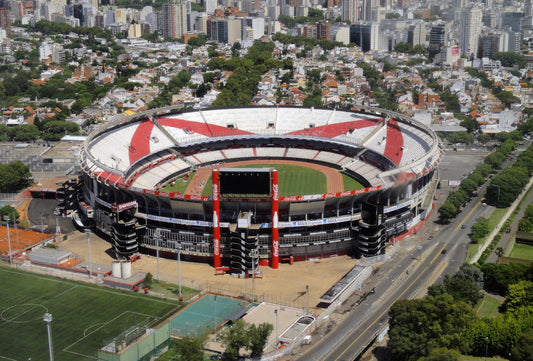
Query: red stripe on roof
point(333, 130)
point(393, 147)
point(210, 130)
point(140, 142)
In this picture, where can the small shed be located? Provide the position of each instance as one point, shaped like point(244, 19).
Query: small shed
point(49, 256)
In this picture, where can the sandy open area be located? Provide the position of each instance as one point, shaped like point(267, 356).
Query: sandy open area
point(286, 285)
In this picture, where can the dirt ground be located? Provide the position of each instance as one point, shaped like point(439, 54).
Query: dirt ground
point(286, 285)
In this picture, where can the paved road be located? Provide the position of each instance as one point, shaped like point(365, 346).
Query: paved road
point(443, 254)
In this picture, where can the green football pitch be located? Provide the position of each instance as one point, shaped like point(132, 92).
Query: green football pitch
point(294, 180)
point(84, 317)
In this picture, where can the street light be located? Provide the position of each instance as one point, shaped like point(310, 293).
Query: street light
point(276, 312)
point(157, 235)
point(88, 231)
point(215, 318)
point(16, 230)
point(253, 254)
point(42, 223)
point(179, 271)
point(307, 291)
point(486, 346)
point(6, 218)
point(48, 319)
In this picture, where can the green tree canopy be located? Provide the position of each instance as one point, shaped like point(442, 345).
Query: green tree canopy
point(447, 211)
point(498, 277)
point(510, 59)
point(14, 176)
point(479, 230)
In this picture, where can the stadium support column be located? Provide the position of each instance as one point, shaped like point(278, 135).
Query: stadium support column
point(216, 219)
point(275, 218)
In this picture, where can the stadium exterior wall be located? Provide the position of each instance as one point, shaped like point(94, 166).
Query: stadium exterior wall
point(357, 222)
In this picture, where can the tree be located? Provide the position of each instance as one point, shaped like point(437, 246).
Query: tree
point(185, 349)
point(507, 98)
point(479, 230)
point(510, 59)
point(473, 273)
point(26, 132)
point(523, 350)
point(460, 288)
point(14, 176)
point(519, 295)
point(468, 186)
point(417, 326)
point(148, 279)
point(9, 211)
point(447, 211)
point(250, 337)
point(495, 160)
point(460, 137)
point(483, 138)
point(235, 338)
point(258, 338)
point(498, 277)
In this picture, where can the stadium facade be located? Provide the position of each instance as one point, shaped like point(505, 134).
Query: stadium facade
point(126, 163)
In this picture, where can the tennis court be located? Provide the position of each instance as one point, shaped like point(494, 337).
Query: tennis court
point(205, 314)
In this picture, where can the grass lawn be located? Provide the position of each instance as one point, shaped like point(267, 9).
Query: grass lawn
point(488, 306)
point(350, 183)
point(171, 290)
point(522, 251)
point(479, 358)
point(180, 184)
point(84, 317)
point(472, 249)
point(294, 180)
point(495, 217)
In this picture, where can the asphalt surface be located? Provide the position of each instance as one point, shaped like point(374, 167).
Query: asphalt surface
point(442, 253)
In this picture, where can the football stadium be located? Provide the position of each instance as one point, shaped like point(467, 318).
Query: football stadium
point(238, 187)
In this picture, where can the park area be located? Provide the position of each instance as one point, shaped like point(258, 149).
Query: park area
point(84, 317)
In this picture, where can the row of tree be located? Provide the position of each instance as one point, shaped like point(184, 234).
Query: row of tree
point(526, 223)
point(505, 187)
point(443, 325)
point(239, 339)
point(467, 189)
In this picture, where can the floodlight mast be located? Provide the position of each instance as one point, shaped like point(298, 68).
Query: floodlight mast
point(48, 319)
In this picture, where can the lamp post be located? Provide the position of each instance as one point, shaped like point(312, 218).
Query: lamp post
point(48, 319)
point(157, 235)
point(276, 312)
point(179, 271)
point(307, 291)
point(254, 254)
point(42, 223)
point(486, 346)
point(88, 231)
point(16, 230)
point(215, 319)
point(6, 218)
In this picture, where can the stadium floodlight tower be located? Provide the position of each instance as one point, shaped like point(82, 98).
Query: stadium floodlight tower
point(48, 319)
point(6, 218)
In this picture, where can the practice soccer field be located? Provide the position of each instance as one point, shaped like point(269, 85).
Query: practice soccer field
point(84, 317)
